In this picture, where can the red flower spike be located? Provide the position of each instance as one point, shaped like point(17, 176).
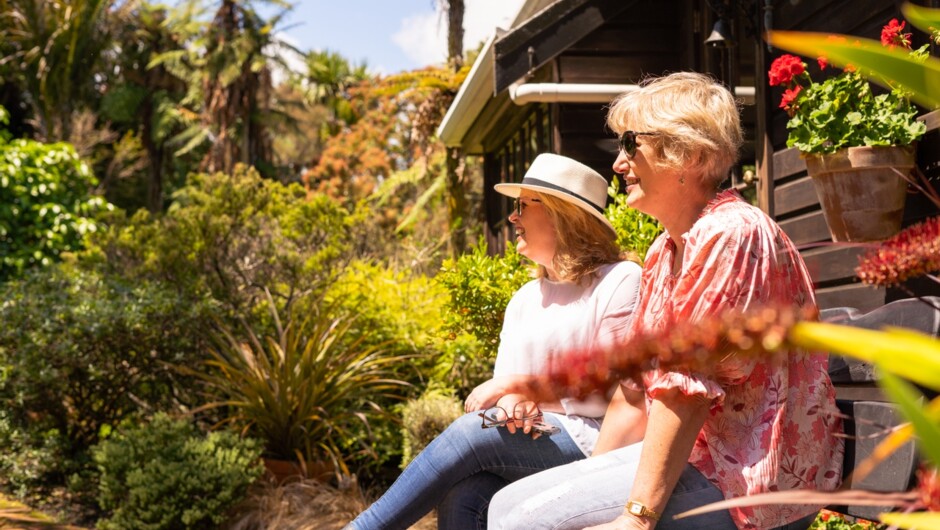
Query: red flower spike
point(913, 252)
point(692, 346)
point(891, 35)
point(928, 485)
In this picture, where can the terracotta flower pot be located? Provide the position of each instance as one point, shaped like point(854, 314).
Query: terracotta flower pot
point(862, 190)
point(283, 471)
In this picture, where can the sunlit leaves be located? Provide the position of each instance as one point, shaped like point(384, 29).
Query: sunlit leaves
point(906, 353)
point(46, 204)
point(919, 521)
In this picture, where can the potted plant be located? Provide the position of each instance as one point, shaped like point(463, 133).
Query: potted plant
point(859, 146)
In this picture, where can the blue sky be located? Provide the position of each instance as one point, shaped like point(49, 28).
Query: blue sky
point(389, 35)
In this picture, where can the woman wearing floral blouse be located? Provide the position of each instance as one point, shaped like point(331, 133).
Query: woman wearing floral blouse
point(750, 425)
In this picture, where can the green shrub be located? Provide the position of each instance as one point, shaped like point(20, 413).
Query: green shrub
point(426, 417)
point(81, 351)
point(46, 203)
point(230, 238)
point(635, 230)
point(480, 287)
point(166, 475)
point(28, 458)
point(400, 311)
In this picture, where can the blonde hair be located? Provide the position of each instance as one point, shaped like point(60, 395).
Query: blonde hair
point(697, 117)
point(582, 242)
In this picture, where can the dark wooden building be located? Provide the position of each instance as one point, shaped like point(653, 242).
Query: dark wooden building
point(544, 84)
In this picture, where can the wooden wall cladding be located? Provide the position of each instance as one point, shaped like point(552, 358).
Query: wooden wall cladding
point(585, 137)
point(645, 39)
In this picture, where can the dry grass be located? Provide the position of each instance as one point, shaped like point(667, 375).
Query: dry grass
point(303, 504)
point(17, 516)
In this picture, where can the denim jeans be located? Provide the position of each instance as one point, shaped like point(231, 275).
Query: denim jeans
point(595, 490)
point(460, 471)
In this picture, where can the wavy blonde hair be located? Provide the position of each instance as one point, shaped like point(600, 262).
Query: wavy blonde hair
point(698, 118)
point(583, 243)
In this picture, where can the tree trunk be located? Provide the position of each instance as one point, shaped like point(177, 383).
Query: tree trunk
point(455, 13)
point(456, 194)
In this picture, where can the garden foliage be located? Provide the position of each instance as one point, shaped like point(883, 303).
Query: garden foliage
point(167, 475)
point(230, 237)
point(46, 202)
point(81, 352)
point(480, 287)
point(426, 417)
point(635, 230)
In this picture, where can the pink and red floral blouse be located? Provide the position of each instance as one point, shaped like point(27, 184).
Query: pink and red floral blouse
point(771, 425)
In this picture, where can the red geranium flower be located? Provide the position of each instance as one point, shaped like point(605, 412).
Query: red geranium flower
point(891, 35)
point(823, 62)
point(784, 69)
point(789, 96)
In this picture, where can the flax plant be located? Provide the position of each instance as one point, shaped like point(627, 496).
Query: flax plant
point(304, 390)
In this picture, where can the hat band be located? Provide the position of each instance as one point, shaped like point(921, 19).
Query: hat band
point(549, 185)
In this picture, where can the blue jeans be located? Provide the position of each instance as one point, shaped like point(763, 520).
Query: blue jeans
point(461, 470)
point(595, 490)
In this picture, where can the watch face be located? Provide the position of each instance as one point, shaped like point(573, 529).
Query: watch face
point(636, 509)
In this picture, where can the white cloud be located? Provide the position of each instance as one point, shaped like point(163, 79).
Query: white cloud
point(483, 16)
point(293, 60)
point(423, 37)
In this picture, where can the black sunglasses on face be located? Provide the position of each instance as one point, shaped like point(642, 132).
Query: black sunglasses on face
point(628, 141)
point(519, 205)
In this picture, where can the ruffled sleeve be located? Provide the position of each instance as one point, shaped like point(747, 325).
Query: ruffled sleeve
point(690, 384)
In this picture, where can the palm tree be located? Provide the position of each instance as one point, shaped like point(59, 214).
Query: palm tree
point(145, 96)
point(225, 65)
point(328, 80)
point(52, 48)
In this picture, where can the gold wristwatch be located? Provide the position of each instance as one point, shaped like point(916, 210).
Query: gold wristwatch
point(640, 510)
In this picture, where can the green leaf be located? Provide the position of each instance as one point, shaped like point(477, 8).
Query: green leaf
point(920, 521)
point(922, 17)
point(196, 134)
point(909, 354)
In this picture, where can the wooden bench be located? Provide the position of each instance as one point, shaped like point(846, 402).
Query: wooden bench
point(859, 398)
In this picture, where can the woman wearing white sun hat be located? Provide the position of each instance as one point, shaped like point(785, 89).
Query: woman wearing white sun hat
point(583, 296)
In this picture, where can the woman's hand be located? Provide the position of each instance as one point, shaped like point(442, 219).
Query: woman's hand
point(485, 395)
point(520, 406)
point(625, 522)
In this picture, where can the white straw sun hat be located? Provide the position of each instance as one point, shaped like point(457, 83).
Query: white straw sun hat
point(566, 179)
